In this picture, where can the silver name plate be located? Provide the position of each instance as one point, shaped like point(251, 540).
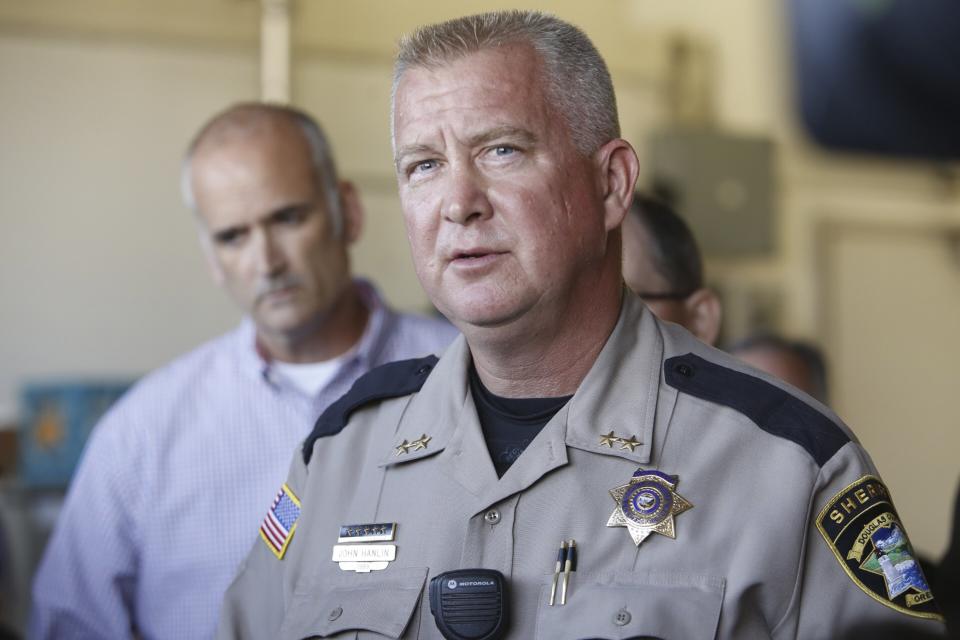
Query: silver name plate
point(364, 558)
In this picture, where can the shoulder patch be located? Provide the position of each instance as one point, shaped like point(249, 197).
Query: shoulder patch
point(391, 380)
point(865, 534)
point(771, 408)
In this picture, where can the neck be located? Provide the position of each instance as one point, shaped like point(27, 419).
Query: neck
point(330, 335)
point(546, 359)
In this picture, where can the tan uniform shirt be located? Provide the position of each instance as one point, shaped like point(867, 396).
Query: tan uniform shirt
point(748, 559)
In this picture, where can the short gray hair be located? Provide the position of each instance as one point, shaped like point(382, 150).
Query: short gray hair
point(577, 79)
point(243, 117)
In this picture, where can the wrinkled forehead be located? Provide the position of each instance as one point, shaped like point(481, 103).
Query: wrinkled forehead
point(272, 148)
point(509, 76)
point(252, 174)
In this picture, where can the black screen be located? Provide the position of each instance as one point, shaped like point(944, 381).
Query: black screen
point(880, 76)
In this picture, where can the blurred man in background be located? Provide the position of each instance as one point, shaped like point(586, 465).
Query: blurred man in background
point(662, 265)
point(179, 472)
point(799, 363)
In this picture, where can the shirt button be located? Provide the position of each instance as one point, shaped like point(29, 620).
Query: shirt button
point(492, 516)
point(622, 618)
point(334, 614)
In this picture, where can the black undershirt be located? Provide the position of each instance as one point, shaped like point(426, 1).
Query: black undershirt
point(510, 424)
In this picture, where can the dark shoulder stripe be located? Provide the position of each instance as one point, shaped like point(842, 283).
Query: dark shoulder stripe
point(771, 408)
point(391, 380)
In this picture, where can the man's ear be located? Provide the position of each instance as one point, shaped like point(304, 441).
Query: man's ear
point(704, 314)
point(352, 210)
point(618, 170)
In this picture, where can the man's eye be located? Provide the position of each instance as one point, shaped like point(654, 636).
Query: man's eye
point(504, 150)
point(228, 236)
point(423, 166)
point(290, 216)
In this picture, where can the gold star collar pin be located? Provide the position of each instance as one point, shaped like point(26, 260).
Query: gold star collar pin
point(610, 439)
point(647, 504)
point(415, 445)
point(421, 442)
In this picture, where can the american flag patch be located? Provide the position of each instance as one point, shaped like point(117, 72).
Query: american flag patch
point(281, 521)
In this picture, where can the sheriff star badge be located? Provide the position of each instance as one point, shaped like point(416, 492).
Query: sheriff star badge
point(647, 504)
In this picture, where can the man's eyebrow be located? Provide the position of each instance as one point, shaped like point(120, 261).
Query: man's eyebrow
point(289, 208)
point(220, 235)
point(412, 149)
point(522, 136)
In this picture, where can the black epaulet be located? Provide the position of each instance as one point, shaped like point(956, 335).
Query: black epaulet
point(774, 410)
point(391, 380)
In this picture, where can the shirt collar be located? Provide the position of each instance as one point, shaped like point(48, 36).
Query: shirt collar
point(255, 359)
point(614, 409)
point(437, 406)
point(379, 323)
point(618, 395)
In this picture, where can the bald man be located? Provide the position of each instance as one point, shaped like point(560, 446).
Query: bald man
point(177, 474)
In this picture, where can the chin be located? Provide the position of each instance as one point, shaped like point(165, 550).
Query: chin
point(481, 314)
point(482, 304)
point(288, 322)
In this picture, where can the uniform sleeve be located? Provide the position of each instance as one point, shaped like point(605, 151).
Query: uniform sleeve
point(254, 605)
point(86, 582)
point(858, 576)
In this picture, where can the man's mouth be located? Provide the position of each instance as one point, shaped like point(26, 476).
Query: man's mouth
point(475, 253)
point(278, 292)
point(475, 258)
point(471, 255)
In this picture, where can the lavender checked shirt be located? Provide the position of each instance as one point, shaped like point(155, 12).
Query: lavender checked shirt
point(176, 480)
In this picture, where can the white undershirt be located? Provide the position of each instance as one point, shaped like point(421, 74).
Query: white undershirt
point(311, 377)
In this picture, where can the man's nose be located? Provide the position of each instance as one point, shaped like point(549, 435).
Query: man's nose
point(269, 259)
point(465, 199)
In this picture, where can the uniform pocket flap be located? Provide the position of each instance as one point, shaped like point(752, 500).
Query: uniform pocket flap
point(381, 602)
point(626, 605)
